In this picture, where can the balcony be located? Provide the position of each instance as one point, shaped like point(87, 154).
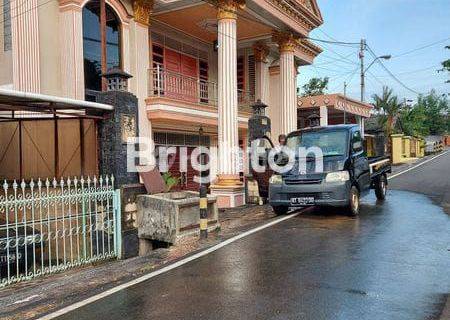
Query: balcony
point(190, 90)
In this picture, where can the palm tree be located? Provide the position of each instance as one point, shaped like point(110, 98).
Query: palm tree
point(388, 106)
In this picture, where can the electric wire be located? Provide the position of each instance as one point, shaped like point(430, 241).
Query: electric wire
point(389, 72)
point(420, 48)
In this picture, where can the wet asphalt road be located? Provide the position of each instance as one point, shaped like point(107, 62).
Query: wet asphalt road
point(393, 262)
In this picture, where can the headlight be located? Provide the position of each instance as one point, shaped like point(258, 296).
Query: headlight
point(337, 176)
point(276, 179)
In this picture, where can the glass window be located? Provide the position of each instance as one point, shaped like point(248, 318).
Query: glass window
point(92, 44)
point(7, 40)
point(332, 143)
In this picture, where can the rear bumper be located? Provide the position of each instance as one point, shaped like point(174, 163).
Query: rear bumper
point(334, 194)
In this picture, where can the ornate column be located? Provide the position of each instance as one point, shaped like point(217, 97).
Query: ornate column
point(25, 45)
point(141, 60)
point(228, 187)
point(261, 52)
point(287, 43)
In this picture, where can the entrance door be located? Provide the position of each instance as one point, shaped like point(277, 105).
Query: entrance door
point(181, 79)
point(172, 81)
point(189, 70)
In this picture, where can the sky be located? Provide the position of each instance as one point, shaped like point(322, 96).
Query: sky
point(390, 27)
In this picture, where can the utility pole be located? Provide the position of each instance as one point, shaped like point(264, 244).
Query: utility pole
point(345, 102)
point(361, 59)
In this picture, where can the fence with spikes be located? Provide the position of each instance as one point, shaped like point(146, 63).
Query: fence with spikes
point(48, 225)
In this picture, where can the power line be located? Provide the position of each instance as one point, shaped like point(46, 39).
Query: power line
point(341, 60)
point(332, 70)
point(337, 73)
point(346, 44)
point(326, 34)
point(420, 48)
point(375, 77)
point(389, 72)
point(348, 79)
point(334, 40)
point(414, 71)
point(336, 60)
point(341, 56)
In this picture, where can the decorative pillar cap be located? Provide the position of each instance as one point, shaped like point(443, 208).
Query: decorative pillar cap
point(260, 52)
point(117, 79)
point(142, 11)
point(287, 41)
point(227, 9)
point(259, 108)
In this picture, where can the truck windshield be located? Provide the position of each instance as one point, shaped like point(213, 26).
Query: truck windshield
point(332, 143)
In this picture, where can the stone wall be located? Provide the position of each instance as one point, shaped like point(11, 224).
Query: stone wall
point(113, 132)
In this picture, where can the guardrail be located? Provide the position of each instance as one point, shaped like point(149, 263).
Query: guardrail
point(173, 85)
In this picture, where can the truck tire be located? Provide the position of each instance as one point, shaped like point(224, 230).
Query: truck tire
point(354, 202)
point(381, 187)
point(280, 210)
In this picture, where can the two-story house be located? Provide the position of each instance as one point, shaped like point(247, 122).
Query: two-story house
point(194, 64)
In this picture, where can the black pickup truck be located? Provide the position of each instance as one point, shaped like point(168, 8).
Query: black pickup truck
point(347, 173)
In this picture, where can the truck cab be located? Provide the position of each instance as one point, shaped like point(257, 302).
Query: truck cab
point(338, 175)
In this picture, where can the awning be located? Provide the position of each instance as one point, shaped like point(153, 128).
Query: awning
point(336, 101)
point(19, 104)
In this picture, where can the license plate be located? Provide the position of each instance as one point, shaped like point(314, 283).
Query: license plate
point(302, 201)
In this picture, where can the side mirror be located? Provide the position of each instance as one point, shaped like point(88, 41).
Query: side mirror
point(357, 146)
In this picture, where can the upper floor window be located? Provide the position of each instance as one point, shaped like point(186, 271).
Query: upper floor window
point(7, 40)
point(100, 53)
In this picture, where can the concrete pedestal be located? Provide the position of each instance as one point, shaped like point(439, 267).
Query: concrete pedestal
point(164, 218)
point(228, 196)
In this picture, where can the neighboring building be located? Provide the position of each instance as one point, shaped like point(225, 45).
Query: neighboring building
point(376, 141)
point(332, 109)
point(194, 64)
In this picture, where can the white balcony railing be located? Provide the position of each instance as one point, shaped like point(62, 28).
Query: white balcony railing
point(173, 85)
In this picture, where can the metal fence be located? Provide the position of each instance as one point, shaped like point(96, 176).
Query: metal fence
point(48, 226)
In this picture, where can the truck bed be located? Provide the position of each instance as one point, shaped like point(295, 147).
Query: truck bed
point(379, 165)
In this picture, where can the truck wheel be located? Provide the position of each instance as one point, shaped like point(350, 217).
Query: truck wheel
point(280, 210)
point(353, 207)
point(381, 187)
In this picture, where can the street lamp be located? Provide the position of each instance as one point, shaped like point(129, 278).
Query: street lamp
point(385, 57)
point(363, 71)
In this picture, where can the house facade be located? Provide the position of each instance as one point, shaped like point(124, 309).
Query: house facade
point(194, 65)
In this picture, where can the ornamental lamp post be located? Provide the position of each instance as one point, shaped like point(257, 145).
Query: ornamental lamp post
point(116, 80)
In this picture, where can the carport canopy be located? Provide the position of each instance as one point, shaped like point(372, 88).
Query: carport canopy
point(47, 136)
point(20, 104)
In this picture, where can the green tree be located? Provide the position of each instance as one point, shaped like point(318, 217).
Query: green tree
point(436, 109)
point(388, 106)
point(315, 87)
point(412, 121)
point(446, 65)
